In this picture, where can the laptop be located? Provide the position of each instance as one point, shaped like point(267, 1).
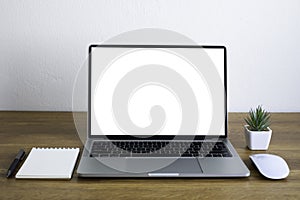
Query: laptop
point(158, 111)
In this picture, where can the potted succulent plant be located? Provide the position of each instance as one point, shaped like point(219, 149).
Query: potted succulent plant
point(257, 131)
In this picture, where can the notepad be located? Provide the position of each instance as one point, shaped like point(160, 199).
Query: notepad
point(49, 163)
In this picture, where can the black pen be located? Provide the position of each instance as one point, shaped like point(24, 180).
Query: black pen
point(15, 163)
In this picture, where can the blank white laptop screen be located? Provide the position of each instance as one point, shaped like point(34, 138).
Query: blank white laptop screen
point(156, 91)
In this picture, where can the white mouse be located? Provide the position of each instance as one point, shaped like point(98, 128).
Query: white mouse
point(271, 166)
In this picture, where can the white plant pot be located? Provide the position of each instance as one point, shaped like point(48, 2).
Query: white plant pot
point(258, 140)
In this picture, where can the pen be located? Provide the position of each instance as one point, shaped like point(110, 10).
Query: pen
point(15, 163)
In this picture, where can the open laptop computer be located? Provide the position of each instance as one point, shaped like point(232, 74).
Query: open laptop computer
point(128, 80)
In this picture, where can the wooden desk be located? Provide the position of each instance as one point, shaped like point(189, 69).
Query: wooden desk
point(29, 129)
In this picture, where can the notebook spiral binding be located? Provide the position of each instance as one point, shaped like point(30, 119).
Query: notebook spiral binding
point(66, 148)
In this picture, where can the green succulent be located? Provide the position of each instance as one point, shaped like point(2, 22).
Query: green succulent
point(258, 119)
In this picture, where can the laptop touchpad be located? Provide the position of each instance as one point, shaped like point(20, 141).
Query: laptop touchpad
point(163, 165)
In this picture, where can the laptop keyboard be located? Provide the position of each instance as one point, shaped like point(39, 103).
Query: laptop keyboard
point(158, 149)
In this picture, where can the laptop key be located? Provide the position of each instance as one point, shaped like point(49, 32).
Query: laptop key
point(94, 155)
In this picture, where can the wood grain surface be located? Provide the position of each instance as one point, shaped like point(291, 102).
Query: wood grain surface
point(56, 129)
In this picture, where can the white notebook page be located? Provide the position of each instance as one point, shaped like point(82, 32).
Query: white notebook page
point(49, 163)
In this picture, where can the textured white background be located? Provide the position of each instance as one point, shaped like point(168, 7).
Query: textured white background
point(43, 44)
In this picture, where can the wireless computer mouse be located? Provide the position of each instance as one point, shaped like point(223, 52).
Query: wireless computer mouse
point(271, 166)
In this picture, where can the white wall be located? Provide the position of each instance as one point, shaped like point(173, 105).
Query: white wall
point(43, 44)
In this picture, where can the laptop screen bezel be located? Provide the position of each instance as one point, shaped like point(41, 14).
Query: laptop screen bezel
point(156, 137)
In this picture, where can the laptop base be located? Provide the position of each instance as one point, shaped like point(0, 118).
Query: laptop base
point(163, 166)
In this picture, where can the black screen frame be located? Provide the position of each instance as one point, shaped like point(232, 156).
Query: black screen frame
point(155, 137)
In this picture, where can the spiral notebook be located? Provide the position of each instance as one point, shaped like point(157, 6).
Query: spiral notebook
point(49, 163)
